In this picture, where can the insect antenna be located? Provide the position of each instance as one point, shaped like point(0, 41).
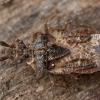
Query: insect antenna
point(2, 43)
point(4, 58)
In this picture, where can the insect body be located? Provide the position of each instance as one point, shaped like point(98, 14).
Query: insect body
point(42, 51)
point(38, 48)
point(59, 51)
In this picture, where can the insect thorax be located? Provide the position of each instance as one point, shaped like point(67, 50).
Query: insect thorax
point(39, 51)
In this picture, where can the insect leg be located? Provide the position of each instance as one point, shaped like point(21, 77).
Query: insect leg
point(46, 27)
point(74, 24)
point(66, 26)
point(75, 75)
point(53, 81)
point(46, 23)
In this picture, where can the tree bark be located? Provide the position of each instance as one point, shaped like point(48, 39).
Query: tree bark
point(21, 19)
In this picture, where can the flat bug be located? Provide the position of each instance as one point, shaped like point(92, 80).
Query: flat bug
point(59, 50)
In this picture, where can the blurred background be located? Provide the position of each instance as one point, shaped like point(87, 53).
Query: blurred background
point(22, 18)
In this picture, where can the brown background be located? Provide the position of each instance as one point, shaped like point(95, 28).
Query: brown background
point(22, 18)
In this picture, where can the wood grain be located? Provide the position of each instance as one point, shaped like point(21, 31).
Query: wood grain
point(22, 19)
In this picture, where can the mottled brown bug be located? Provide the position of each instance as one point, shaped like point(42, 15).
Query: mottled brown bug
point(59, 51)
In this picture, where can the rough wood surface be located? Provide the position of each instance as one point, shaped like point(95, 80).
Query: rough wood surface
point(22, 18)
